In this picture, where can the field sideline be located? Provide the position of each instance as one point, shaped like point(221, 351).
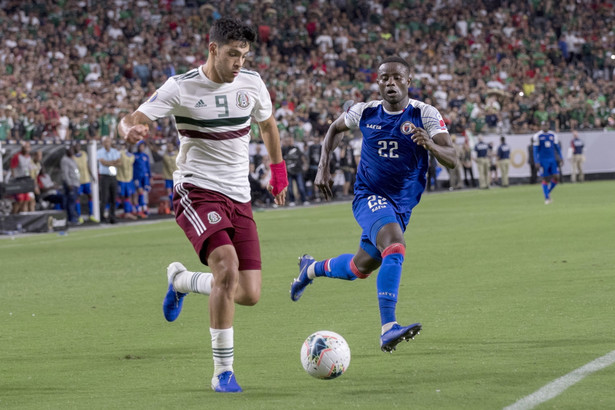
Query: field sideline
point(512, 295)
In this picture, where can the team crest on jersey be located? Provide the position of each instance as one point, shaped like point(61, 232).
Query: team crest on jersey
point(153, 97)
point(406, 128)
point(213, 217)
point(243, 99)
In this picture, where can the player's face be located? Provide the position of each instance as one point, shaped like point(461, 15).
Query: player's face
point(229, 59)
point(393, 81)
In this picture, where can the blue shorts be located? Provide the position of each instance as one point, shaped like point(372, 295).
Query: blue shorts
point(372, 212)
point(141, 182)
point(126, 189)
point(168, 183)
point(549, 168)
point(85, 189)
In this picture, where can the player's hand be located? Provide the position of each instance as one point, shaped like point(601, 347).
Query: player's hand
point(324, 182)
point(278, 182)
point(420, 136)
point(136, 133)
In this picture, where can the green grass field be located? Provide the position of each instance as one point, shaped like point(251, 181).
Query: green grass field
point(512, 294)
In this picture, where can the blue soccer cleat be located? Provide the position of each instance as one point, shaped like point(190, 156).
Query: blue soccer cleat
point(390, 339)
point(173, 300)
point(225, 383)
point(299, 284)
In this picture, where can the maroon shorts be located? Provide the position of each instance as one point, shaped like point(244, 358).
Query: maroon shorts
point(201, 213)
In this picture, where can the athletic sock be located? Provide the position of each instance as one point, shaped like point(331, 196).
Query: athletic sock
point(545, 189)
point(388, 281)
point(552, 185)
point(222, 349)
point(340, 267)
point(78, 208)
point(127, 206)
point(197, 282)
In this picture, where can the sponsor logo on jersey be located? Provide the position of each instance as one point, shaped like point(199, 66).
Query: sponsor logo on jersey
point(374, 126)
point(153, 97)
point(200, 104)
point(406, 128)
point(213, 217)
point(243, 99)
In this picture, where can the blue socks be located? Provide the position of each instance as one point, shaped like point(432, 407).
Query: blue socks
point(338, 267)
point(545, 190)
point(388, 281)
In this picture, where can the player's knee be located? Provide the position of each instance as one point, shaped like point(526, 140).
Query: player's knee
point(250, 297)
point(361, 271)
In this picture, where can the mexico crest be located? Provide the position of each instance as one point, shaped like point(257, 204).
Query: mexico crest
point(213, 217)
point(243, 99)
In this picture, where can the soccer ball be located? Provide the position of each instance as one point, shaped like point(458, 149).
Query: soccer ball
point(325, 355)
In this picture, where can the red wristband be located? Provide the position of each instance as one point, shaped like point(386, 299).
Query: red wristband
point(279, 179)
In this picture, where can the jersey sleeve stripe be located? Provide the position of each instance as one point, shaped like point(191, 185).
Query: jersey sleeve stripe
point(219, 122)
point(216, 136)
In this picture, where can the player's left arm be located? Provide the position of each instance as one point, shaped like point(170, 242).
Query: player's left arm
point(434, 137)
point(279, 179)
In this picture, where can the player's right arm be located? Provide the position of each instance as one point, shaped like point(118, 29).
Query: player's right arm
point(134, 127)
point(334, 135)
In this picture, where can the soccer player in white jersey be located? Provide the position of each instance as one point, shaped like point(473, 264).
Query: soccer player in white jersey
point(213, 105)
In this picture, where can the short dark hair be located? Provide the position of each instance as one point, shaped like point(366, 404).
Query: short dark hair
point(226, 29)
point(396, 59)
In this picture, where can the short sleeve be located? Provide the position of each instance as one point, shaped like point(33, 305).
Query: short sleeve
point(353, 115)
point(263, 108)
point(162, 102)
point(433, 122)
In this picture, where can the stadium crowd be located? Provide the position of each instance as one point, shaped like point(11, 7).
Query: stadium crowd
point(70, 68)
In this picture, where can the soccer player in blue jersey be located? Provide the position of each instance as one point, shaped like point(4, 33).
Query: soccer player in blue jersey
point(141, 177)
point(545, 146)
point(398, 134)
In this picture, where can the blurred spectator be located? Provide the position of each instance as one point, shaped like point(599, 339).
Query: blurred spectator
point(503, 155)
point(86, 176)
point(21, 167)
point(578, 157)
point(141, 177)
point(125, 183)
point(70, 181)
point(108, 161)
point(295, 161)
point(482, 161)
point(49, 191)
point(466, 162)
point(454, 181)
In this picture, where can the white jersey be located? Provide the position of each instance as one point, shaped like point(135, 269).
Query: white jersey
point(213, 122)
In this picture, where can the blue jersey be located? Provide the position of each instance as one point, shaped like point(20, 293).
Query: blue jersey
point(577, 145)
point(545, 145)
point(392, 165)
point(482, 149)
point(141, 166)
point(504, 151)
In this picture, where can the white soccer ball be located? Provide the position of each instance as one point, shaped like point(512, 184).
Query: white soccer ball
point(325, 355)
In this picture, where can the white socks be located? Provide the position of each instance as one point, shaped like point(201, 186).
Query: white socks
point(311, 274)
point(222, 348)
point(197, 282)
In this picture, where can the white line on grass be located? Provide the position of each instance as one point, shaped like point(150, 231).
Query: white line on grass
point(556, 387)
